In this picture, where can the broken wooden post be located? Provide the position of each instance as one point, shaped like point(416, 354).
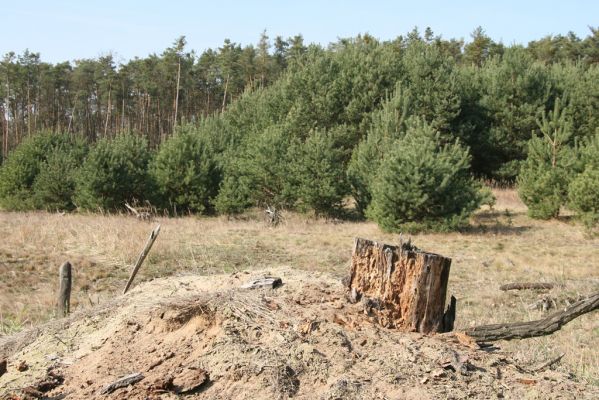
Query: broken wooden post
point(402, 286)
point(142, 256)
point(64, 293)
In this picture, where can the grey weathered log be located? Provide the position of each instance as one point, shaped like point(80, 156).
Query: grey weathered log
point(264, 282)
point(64, 292)
point(407, 284)
point(122, 382)
point(542, 327)
point(142, 256)
point(526, 285)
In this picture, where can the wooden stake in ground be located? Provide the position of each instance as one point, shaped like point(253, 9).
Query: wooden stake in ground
point(142, 256)
point(402, 286)
point(64, 293)
point(545, 326)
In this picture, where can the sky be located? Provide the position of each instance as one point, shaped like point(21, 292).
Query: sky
point(67, 30)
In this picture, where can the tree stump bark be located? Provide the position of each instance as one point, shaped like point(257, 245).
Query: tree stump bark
point(401, 286)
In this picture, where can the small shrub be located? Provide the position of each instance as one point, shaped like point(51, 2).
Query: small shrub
point(583, 192)
point(486, 197)
point(543, 190)
point(583, 196)
point(589, 152)
point(115, 172)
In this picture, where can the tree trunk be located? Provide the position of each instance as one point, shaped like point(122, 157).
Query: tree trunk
point(177, 94)
point(4, 134)
point(108, 108)
point(225, 95)
point(402, 287)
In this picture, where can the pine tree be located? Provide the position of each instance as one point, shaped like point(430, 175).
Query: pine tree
point(38, 173)
point(388, 125)
point(186, 172)
point(258, 173)
point(583, 191)
point(423, 185)
point(546, 173)
point(114, 172)
point(320, 174)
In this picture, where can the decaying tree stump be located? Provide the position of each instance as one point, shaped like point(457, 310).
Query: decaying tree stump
point(402, 286)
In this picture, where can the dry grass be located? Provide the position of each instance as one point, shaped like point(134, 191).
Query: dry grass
point(503, 245)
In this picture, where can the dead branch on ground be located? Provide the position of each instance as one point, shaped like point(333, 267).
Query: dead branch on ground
point(542, 327)
point(526, 285)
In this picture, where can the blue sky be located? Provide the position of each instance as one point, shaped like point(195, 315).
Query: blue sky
point(67, 30)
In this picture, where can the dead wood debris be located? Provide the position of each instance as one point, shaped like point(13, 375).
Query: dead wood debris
point(526, 285)
point(545, 326)
point(122, 382)
point(22, 366)
point(264, 282)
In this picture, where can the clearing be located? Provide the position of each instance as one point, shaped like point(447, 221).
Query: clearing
point(188, 327)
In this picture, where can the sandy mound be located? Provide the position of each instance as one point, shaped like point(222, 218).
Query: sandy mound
point(205, 338)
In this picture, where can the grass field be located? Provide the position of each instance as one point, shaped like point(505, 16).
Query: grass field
point(503, 245)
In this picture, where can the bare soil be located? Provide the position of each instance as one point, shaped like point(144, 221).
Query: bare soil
point(204, 337)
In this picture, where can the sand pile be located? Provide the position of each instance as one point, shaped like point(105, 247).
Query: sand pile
point(204, 337)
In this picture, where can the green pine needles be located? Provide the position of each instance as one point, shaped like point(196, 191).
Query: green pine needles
point(40, 173)
point(115, 172)
point(545, 175)
point(583, 191)
point(423, 184)
point(186, 172)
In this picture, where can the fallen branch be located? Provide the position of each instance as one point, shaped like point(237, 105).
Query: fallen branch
point(265, 282)
point(142, 256)
point(542, 327)
point(122, 382)
point(143, 215)
point(526, 285)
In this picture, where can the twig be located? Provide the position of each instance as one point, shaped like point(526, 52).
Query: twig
point(526, 285)
point(548, 363)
